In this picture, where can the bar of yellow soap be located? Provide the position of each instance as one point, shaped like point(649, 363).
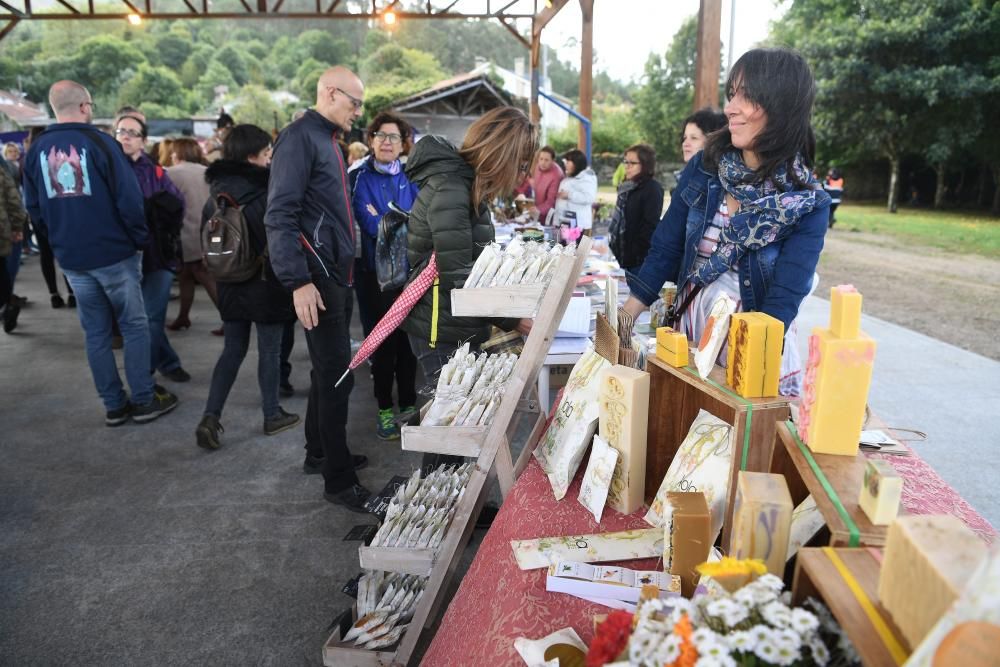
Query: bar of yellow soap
point(622, 420)
point(687, 538)
point(845, 311)
point(753, 365)
point(671, 347)
point(838, 376)
point(762, 519)
point(928, 561)
point(881, 492)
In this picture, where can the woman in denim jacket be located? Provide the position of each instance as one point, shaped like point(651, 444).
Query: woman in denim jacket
point(747, 219)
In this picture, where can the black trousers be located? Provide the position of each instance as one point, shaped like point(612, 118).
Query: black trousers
point(326, 414)
point(287, 345)
point(6, 287)
point(393, 360)
point(48, 263)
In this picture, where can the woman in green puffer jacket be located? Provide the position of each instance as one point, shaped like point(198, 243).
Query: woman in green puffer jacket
point(451, 217)
point(13, 218)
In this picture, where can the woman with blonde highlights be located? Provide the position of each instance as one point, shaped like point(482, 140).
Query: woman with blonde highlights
point(451, 218)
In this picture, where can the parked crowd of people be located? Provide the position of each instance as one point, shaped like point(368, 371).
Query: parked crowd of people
point(124, 220)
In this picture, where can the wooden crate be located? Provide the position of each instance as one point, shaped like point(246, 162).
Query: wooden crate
point(827, 574)
point(513, 301)
point(676, 395)
point(835, 484)
point(337, 654)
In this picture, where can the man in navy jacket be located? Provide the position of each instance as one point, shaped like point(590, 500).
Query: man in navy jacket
point(310, 238)
point(80, 188)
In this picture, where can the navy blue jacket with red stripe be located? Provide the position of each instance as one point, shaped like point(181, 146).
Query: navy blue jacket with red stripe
point(310, 226)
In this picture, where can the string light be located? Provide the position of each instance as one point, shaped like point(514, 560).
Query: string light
point(135, 19)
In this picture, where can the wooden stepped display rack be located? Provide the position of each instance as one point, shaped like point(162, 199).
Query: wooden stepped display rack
point(489, 444)
point(846, 581)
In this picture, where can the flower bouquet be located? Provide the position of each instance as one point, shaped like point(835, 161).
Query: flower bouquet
point(750, 627)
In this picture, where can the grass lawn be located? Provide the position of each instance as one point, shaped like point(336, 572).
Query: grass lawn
point(960, 232)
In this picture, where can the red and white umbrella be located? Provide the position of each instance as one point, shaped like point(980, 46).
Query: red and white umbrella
point(395, 315)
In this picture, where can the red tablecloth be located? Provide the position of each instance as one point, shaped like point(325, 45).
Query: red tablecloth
point(497, 602)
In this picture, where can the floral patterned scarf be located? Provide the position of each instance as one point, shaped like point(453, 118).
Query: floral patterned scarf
point(768, 212)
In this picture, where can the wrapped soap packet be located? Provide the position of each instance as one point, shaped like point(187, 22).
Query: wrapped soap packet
point(597, 479)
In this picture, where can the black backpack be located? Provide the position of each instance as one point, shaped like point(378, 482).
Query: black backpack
point(392, 266)
point(226, 243)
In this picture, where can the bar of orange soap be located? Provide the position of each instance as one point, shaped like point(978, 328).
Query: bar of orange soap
point(928, 561)
point(762, 519)
point(622, 420)
point(671, 347)
point(753, 365)
point(687, 537)
point(881, 492)
point(838, 376)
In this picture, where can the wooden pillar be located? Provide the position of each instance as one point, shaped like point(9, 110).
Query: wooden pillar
point(709, 58)
point(536, 58)
point(586, 69)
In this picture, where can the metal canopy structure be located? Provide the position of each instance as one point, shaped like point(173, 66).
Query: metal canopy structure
point(507, 12)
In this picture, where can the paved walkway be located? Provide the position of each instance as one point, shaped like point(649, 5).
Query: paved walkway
point(950, 394)
point(131, 545)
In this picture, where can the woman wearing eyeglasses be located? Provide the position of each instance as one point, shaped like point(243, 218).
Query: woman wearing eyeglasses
point(749, 218)
point(375, 182)
point(161, 258)
point(637, 209)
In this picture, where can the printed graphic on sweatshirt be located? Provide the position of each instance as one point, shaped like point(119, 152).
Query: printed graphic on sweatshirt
point(65, 174)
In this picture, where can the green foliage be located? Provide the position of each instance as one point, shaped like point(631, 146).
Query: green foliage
point(306, 79)
point(899, 78)
point(106, 61)
point(666, 97)
point(234, 61)
point(174, 49)
point(613, 131)
point(253, 104)
point(394, 65)
point(324, 47)
point(153, 85)
point(216, 75)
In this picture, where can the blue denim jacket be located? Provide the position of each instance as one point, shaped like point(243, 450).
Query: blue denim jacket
point(773, 280)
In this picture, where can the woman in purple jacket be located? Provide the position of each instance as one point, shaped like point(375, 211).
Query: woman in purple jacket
point(375, 182)
point(164, 207)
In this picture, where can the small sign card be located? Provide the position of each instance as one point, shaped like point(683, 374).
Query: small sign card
point(379, 503)
point(363, 533)
point(608, 581)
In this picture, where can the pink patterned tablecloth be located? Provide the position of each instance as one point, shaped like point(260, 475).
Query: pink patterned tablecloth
point(497, 602)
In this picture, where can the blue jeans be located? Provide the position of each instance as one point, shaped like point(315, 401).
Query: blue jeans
point(156, 294)
point(13, 262)
point(114, 292)
point(237, 340)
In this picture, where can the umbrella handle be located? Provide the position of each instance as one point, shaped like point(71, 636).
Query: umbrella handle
point(342, 377)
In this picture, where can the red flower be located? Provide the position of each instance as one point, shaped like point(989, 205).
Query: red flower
point(610, 639)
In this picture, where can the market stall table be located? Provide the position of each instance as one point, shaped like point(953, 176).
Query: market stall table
point(497, 602)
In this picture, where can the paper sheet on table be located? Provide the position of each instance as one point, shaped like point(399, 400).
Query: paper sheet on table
point(598, 548)
point(881, 442)
point(576, 320)
point(569, 345)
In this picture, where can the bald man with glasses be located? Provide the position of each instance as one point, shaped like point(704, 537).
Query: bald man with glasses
point(310, 235)
point(80, 188)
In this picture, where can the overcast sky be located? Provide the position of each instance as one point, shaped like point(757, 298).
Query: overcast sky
point(627, 31)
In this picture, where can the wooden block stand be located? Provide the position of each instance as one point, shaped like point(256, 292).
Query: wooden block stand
point(835, 484)
point(864, 621)
point(490, 445)
point(676, 395)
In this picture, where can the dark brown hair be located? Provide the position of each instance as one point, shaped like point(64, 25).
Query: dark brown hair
point(647, 160)
point(778, 81)
point(384, 118)
point(497, 145)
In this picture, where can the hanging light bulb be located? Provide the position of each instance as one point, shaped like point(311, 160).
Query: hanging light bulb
point(389, 18)
point(134, 19)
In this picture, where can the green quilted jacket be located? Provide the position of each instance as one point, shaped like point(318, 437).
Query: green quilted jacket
point(442, 220)
point(12, 214)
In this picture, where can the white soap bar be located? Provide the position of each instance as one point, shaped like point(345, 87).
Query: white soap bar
point(928, 560)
